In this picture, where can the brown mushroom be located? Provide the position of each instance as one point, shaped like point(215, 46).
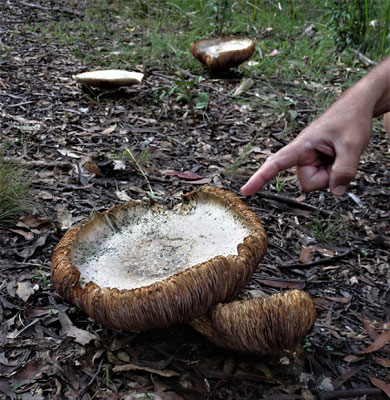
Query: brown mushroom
point(109, 79)
point(137, 267)
point(222, 53)
point(262, 326)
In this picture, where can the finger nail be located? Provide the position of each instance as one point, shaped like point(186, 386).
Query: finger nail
point(339, 190)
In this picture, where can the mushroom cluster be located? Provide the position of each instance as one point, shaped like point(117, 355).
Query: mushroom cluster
point(140, 266)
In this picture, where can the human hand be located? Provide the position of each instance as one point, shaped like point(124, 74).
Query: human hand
point(326, 153)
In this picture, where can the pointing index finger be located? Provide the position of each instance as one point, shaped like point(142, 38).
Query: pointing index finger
point(283, 159)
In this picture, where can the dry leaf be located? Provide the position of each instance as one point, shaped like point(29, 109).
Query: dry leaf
point(122, 195)
point(24, 290)
point(385, 387)
point(109, 130)
point(130, 367)
point(352, 358)
point(243, 87)
point(282, 283)
point(91, 166)
point(381, 341)
point(32, 221)
point(80, 336)
point(27, 251)
point(273, 53)
point(321, 250)
point(203, 181)
point(372, 333)
point(385, 362)
point(27, 235)
point(64, 218)
point(343, 300)
point(306, 255)
point(185, 175)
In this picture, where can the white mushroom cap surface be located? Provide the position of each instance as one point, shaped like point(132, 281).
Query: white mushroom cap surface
point(150, 246)
point(110, 79)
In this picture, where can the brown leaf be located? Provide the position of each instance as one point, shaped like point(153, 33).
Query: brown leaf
point(380, 342)
point(32, 221)
point(385, 362)
point(30, 370)
point(92, 167)
point(352, 358)
point(343, 300)
point(306, 255)
point(321, 250)
point(203, 181)
point(130, 367)
point(27, 235)
point(385, 387)
point(369, 329)
point(185, 175)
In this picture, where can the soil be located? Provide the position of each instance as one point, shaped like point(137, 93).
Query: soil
point(75, 143)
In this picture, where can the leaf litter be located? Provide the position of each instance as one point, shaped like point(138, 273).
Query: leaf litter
point(49, 349)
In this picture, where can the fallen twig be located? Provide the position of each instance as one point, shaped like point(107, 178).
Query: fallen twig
point(364, 58)
point(349, 393)
point(141, 170)
point(294, 203)
point(93, 378)
point(336, 394)
point(60, 9)
point(322, 261)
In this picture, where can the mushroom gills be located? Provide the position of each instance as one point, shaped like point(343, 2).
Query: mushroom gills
point(261, 325)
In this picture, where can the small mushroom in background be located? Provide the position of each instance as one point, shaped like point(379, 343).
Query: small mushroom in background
point(109, 79)
point(222, 53)
point(140, 266)
point(264, 326)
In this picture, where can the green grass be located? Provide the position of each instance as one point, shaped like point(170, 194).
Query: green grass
point(157, 34)
point(15, 182)
point(326, 230)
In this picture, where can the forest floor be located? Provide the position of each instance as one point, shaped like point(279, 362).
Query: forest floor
point(76, 145)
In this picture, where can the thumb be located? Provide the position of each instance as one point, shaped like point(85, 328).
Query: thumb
point(342, 172)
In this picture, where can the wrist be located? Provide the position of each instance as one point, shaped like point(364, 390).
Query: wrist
point(374, 89)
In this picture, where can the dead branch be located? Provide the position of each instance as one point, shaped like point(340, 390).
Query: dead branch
point(294, 203)
point(322, 261)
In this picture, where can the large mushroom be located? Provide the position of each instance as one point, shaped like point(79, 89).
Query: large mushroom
point(262, 326)
point(109, 79)
point(139, 266)
point(222, 53)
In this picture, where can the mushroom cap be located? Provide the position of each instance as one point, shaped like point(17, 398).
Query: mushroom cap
point(222, 53)
point(139, 266)
point(262, 326)
point(110, 78)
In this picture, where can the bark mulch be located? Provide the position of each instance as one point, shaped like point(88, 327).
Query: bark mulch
point(76, 144)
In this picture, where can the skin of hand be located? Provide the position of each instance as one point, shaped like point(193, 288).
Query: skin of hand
point(327, 152)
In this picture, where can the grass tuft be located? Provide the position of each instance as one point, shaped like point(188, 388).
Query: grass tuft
point(15, 182)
